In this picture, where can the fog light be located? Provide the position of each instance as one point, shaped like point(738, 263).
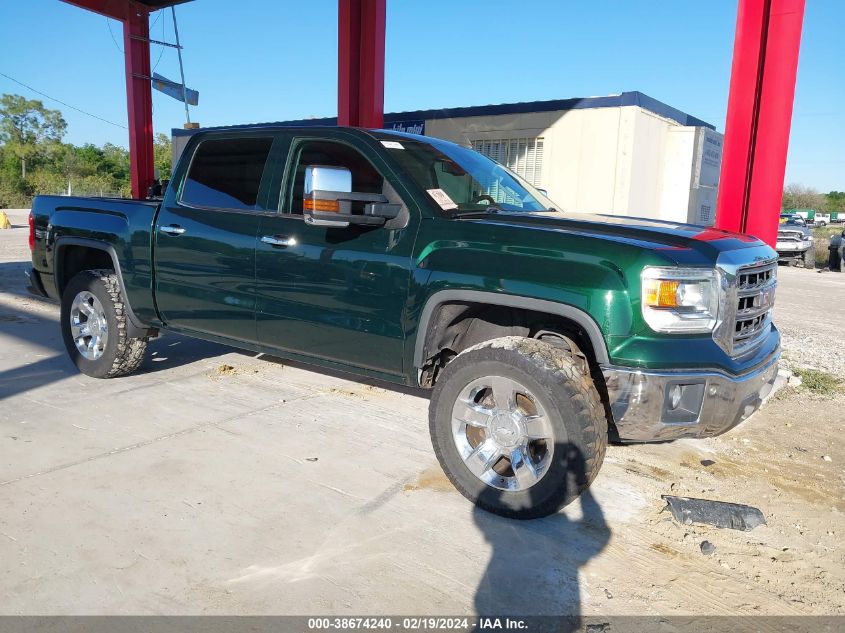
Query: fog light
point(682, 402)
point(675, 396)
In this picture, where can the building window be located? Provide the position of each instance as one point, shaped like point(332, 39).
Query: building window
point(523, 156)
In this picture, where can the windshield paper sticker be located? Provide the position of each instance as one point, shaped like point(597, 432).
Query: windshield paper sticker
point(392, 145)
point(442, 198)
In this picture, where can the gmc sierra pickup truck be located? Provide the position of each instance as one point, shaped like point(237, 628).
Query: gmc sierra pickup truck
point(417, 261)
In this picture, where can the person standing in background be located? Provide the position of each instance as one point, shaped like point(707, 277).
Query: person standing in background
point(834, 259)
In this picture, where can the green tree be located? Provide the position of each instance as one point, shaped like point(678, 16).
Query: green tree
point(27, 128)
point(835, 201)
point(162, 155)
point(798, 196)
point(33, 159)
point(116, 162)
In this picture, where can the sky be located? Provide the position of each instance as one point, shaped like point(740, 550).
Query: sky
point(272, 60)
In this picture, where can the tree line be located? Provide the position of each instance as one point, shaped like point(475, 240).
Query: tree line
point(797, 196)
point(34, 160)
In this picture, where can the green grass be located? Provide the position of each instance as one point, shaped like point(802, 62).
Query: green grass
point(826, 232)
point(819, 382)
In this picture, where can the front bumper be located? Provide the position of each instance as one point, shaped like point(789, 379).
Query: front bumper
point(711, 402)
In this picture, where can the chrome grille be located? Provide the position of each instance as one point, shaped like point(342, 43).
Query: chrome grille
point(755, 299)
point(790, 236)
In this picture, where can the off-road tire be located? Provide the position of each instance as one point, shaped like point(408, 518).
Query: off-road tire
point(810, 258)
point(570, 400)
point(122, 354)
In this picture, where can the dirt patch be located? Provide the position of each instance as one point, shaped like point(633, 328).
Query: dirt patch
point(431, 479)
point(347, 393)
point(666, 550)
point(786, 460)
point(647, 470)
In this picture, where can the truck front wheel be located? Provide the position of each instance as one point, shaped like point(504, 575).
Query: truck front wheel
point(810, 257)
point(518, 427)
point(94, 328)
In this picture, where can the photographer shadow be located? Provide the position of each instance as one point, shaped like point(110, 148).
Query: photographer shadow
point(534, 565)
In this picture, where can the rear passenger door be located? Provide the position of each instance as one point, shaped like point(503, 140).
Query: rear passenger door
point(205, 237)
point(335, 294)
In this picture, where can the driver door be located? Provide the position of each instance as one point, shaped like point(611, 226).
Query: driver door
point(334, 294)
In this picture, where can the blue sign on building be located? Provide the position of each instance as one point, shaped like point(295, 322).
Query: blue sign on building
point(409, 127)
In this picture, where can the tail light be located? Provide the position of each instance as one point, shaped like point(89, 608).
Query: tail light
point(31, 231)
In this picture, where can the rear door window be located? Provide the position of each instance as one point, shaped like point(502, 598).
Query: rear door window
point(226, 173)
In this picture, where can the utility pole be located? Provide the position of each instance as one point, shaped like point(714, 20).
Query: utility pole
point(181, 68)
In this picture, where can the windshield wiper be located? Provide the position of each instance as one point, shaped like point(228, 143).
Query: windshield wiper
point(492, 209)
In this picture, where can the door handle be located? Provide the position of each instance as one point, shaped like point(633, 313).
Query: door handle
point(172, 229)
point(279, 240)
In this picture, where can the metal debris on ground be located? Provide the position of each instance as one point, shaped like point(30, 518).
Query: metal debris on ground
point(735, 516)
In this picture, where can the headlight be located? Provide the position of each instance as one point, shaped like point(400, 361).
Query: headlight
point(680, 299)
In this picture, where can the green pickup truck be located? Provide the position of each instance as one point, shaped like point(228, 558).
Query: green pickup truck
point(543, 335)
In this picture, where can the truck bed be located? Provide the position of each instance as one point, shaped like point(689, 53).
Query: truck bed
point(62, 226)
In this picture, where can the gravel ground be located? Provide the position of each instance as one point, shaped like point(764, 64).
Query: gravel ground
point(810, 313)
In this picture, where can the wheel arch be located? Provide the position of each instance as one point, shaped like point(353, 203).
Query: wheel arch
point(564, 311)
point(136, 328)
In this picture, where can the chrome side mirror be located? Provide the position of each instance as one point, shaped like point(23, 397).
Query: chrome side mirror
point(324, 178)
point(328, 198)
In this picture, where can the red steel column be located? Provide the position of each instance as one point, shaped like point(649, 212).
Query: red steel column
point(139, 100)
point(360, 68)
point(765, 63)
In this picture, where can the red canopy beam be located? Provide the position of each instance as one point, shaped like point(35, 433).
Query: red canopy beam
point(762, 89)
point(360, 68)
point(108, 8)
point(139, 100)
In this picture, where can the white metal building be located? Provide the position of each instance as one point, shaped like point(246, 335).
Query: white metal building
point(625, 154)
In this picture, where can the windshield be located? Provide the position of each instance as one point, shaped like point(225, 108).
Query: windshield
point(470, 181)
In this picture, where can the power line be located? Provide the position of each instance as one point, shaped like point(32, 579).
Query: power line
point(111, 33)
point(67, 105)
point(108, 24)
point(163, 39)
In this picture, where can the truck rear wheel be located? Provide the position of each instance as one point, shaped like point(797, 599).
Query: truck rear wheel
point(518, 427)
point(94, 328)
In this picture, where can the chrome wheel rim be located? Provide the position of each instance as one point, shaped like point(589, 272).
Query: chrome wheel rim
point(502, 433)
point(88, 325)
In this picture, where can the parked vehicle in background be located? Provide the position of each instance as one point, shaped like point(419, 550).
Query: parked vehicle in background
point(795, 243)
point(424, 263)
point(815, 218)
